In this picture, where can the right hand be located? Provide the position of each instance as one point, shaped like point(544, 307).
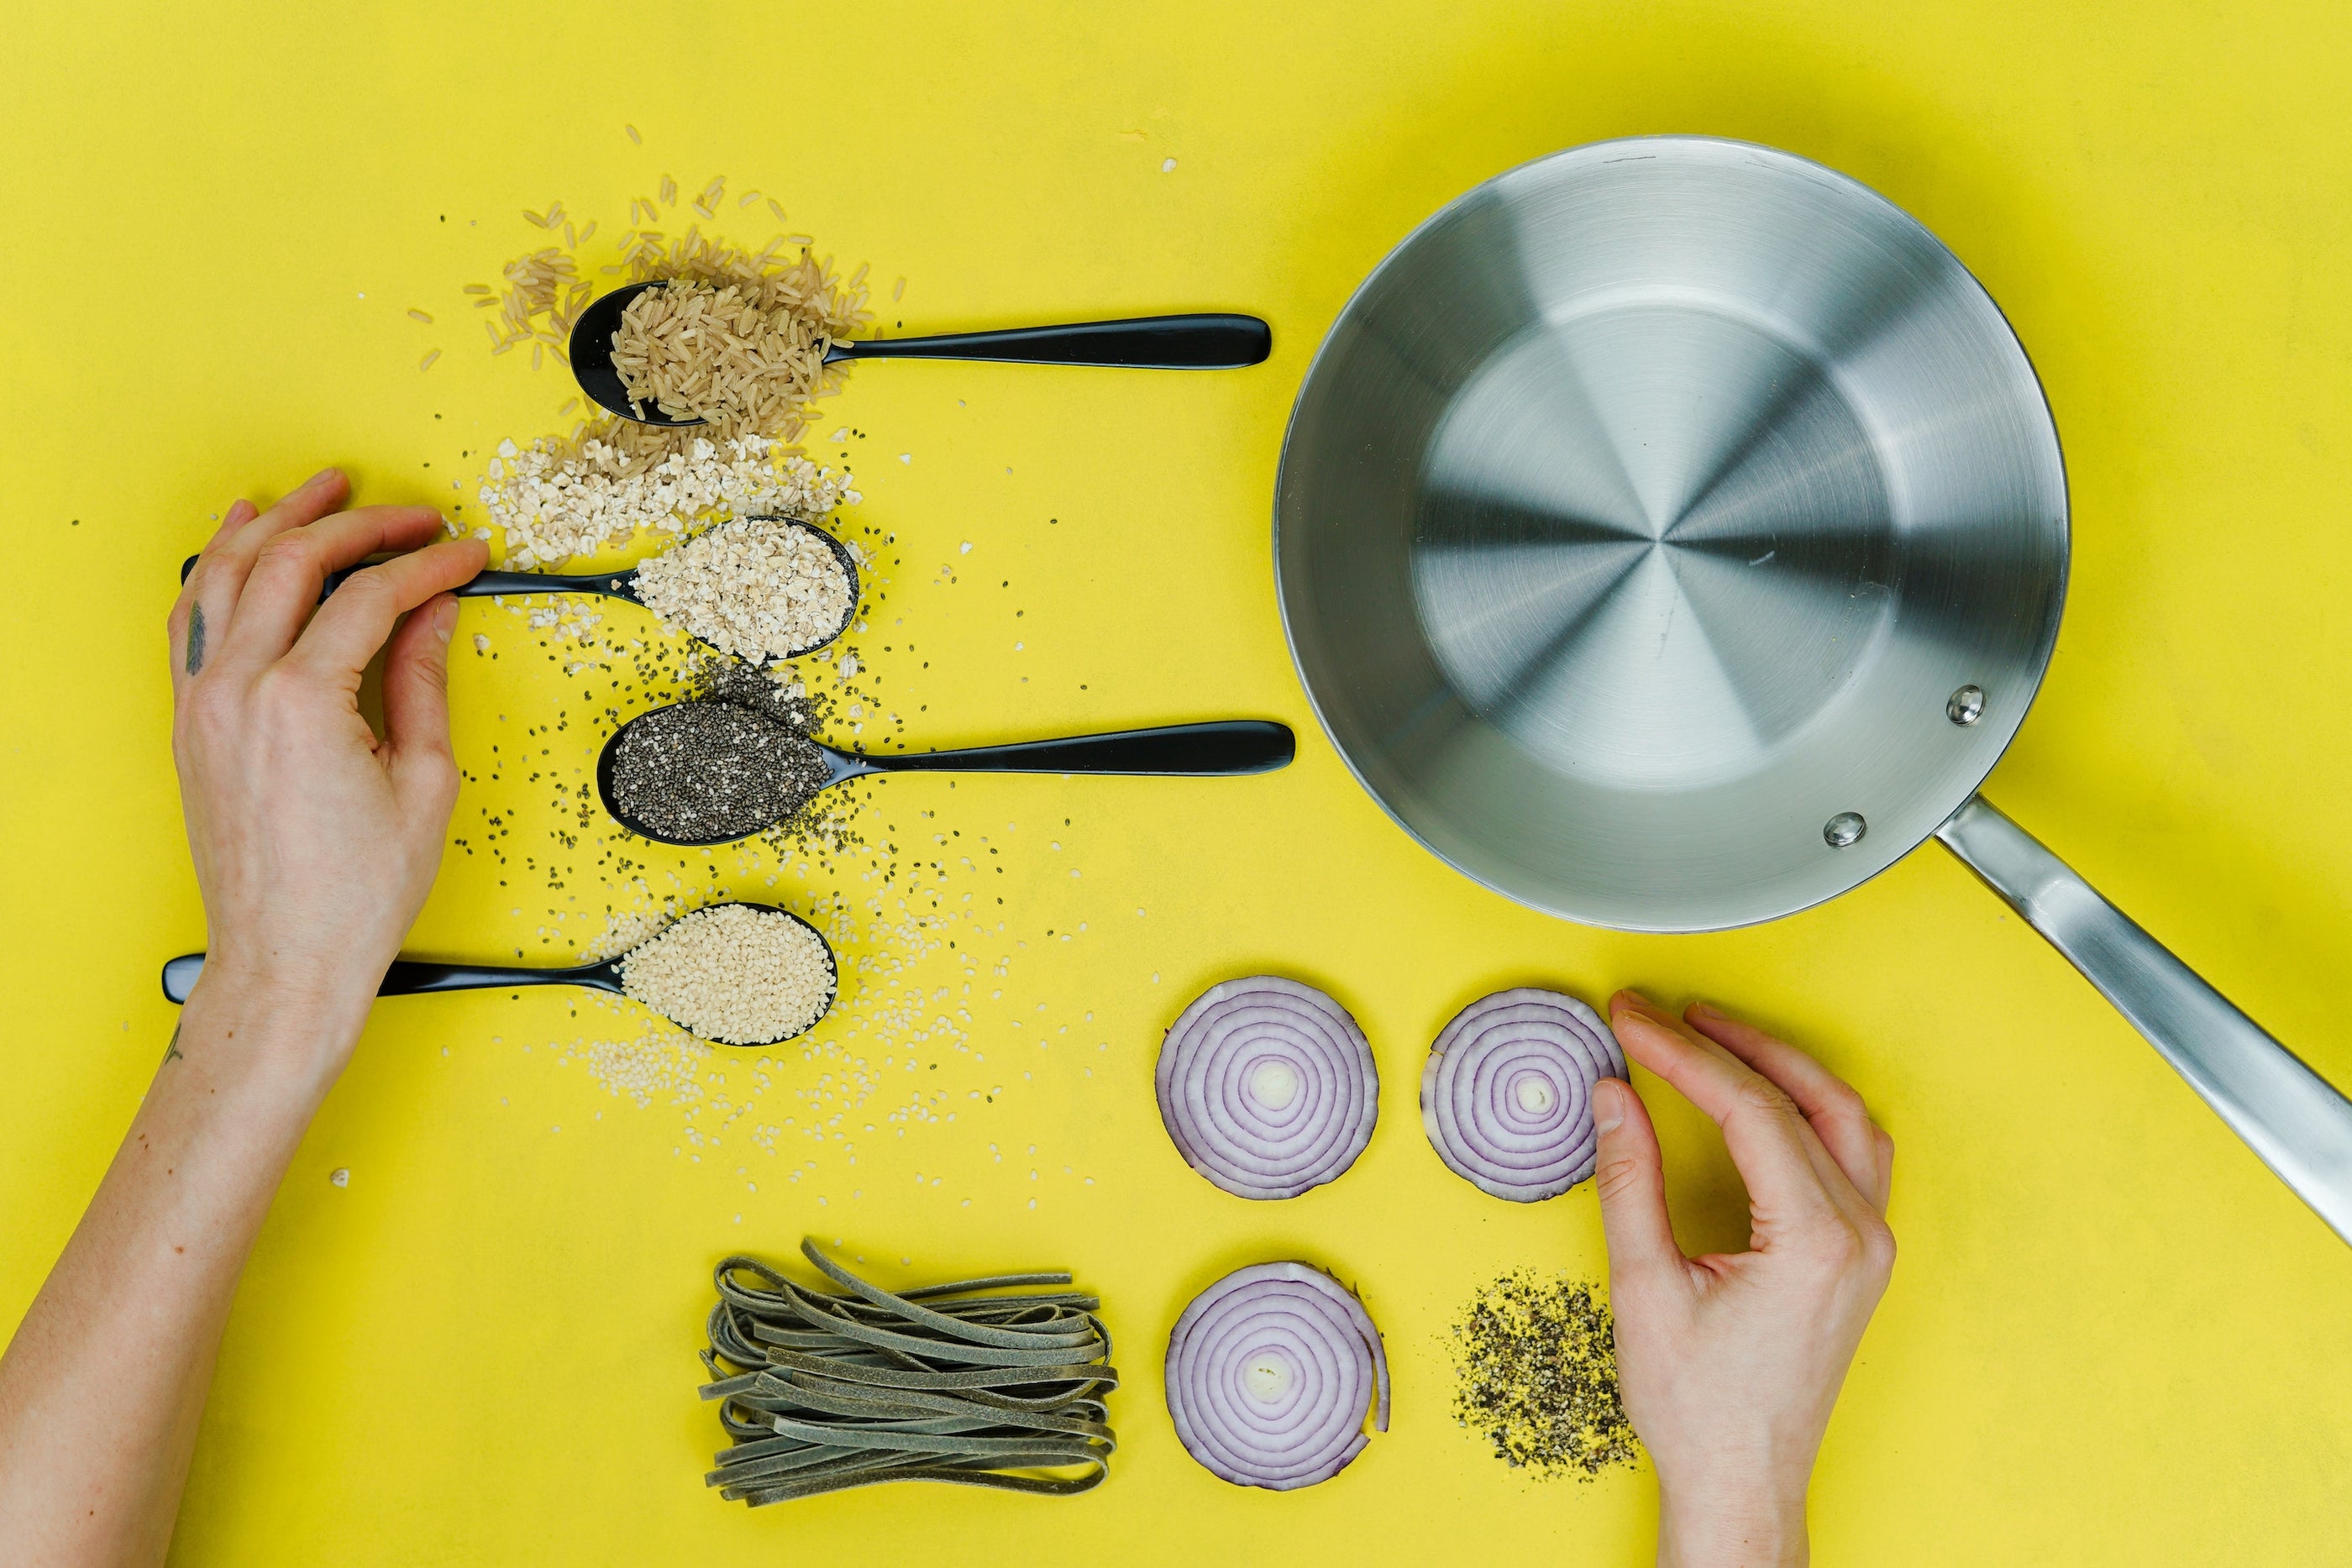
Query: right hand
point(315, 842)
point(1730, 1365)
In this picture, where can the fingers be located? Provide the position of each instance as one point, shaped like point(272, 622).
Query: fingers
point(240, 512)
point(352, 624)
point(282, 589)
point(416, 695)
point(220, 572)
point(1766, 1138)
point(1837, 1114)
point(188, 635)
point(1631, 1182)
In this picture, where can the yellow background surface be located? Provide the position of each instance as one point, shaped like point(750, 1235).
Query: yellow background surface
point(2112, 1336)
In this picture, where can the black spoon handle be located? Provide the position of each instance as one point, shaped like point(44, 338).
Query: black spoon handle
point(620, 584)
point(1226, 746)
point(409, 978)
point(1201, 343)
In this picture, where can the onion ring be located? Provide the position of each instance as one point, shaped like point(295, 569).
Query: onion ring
point(1267, 1087)
point(1271, 1371)
point(1506, 1093)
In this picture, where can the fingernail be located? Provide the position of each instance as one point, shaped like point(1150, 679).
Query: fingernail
point(314, 478)
point(1608, 1110)
point(445, 618)
point(1708, 1010)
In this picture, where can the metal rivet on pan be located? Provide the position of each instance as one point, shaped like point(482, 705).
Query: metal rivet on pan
point(1967, 705)
point(1845, 829)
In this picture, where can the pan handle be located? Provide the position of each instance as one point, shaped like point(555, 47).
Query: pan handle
point(2289, 1116)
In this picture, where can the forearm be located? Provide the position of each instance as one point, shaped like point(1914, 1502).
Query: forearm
point(92, 1465)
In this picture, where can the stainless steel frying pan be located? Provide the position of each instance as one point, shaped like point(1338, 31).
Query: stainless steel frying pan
point(1671, 535)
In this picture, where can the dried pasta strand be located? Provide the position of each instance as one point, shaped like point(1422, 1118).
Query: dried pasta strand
point(822, 1392)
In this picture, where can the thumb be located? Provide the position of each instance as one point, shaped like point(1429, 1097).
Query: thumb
point(1631, 1182)
point(416, 695)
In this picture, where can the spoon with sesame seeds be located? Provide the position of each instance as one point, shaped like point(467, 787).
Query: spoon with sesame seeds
point(733, 973)
point(697, 774)
point(1200, 341)
point(732, 606)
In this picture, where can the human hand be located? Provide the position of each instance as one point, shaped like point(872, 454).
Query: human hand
point(1730, 1365)
point(315, 842)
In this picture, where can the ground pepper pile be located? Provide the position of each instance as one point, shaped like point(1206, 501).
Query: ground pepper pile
point(1535, 1364)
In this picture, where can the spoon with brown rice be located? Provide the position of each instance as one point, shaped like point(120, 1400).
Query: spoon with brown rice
point(684, 351)
point(736, 974)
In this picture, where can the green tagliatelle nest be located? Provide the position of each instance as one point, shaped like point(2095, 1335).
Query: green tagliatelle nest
point(1535, 1363)
point(823, 1390)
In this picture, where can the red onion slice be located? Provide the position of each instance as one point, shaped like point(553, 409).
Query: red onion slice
point(1506, 1094)
point(1270, 1373)
point(1267, 1087)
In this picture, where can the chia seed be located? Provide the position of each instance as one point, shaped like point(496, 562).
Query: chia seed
point(712, 771)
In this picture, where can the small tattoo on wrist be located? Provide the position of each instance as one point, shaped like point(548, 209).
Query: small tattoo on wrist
point(171, 1052)
point(196, 638)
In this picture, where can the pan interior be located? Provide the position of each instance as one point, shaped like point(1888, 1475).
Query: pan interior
point(1643, 512)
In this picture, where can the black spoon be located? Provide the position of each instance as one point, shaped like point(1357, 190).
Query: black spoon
point(1198, 342)
point(1223, 749)
point(608, 584)
point(414, 977)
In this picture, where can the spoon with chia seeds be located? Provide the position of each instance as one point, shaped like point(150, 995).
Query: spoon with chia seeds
point(760, 588)
point(737, 974)
point(695, 774)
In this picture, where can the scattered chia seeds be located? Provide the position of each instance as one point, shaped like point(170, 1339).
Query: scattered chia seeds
point(1535, 1366)
point(712, 771)
point(779, 695)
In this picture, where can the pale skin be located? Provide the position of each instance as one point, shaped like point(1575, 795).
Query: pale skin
point(315, 841)
point(1730, 1365)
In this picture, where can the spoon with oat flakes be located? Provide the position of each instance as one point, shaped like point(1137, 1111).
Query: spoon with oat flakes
point(760, 587)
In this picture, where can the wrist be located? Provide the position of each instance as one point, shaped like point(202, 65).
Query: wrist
point(1731, 1525)
point(279, 1035)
